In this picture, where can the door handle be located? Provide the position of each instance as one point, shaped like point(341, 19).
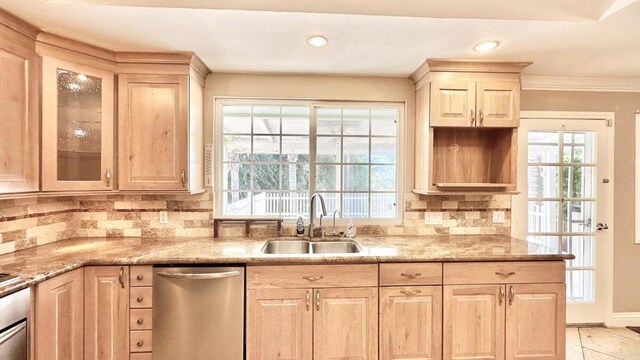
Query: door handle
point(318, 300)
point(473, 118)
point(501, 296)
point(183, 178)
point(203, 276)
point(481, 117)
point(410, 292)
point(308, 299)
point(512, 295)
point(121, 277)
point(602, 226)
point(107, 175)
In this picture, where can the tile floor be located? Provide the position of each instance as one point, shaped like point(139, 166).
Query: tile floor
point(600, 343)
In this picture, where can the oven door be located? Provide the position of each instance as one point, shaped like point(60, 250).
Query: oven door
point(13, 342)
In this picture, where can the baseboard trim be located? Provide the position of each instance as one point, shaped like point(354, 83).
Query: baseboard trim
point(623, 319)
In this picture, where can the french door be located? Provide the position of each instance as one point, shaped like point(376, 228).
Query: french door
point(563, 203)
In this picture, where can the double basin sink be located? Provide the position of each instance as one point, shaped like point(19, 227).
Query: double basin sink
point(301, 247)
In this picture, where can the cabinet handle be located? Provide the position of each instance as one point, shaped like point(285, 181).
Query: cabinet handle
point(121, 277)
point(505, 273)
point(318, 300)
point(313, 278)
point(473, 117)
point(108, 177)
point(140, 343)
point(308, 299)
point(183, 178)
point(501, 296)
point(481, 117)
point(140, 321)
point(411, 276)
point(512, 295)
point(410, 292)
point(140, 299)
point(140, 277)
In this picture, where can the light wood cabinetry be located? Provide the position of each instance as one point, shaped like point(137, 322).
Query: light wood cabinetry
point(19, 109)
point(312, 312)
point(467, 114)
point(58, 310)
point(411, 323)
point(106, 314)
point(140, 311)
point(535, 321)
point(474, 322)
point(77, 127)
point(160, 127)
point(279, 324)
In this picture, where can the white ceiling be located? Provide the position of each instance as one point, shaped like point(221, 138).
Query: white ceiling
point(571, 45)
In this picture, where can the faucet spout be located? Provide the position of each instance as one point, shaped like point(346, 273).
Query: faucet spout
point(312, 212)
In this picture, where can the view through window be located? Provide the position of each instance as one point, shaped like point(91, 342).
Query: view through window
point(275, 156)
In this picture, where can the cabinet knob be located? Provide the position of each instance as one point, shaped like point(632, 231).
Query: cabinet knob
point(108, 177)
point(140, 321)
point(140, 343)
point(140, 299)
point(140, 277)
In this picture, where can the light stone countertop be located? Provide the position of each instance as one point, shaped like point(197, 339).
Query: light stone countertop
point(43, 262)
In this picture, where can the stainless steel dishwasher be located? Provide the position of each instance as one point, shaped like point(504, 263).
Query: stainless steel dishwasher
point(198, 313)
point(14, 332)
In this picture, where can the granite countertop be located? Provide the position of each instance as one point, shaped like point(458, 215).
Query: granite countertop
point(43, 262)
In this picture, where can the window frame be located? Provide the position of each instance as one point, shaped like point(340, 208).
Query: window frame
point(220, 102)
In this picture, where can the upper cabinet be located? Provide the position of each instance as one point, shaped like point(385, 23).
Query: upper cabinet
point(467, 115)
point(160, 129)
point(20, 107)
point(77, 127)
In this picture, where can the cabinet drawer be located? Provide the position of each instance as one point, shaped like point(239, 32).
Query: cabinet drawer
point(504, 272)
point(140, 356)
point(141, 275)
point(140, 297)
point(141, 319)
point(312, 276)
point(140, 341)
point(411, 274)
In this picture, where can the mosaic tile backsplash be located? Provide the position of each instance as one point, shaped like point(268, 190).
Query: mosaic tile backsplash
point(29, 222)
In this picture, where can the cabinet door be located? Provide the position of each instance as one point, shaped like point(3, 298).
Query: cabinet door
point(536, 321)
point(59, 305)
point(453, 103)
point(279, 324)
point(19, 114)
point(152, 132)
point(498, 104)
point(77, 127)
point(474, 318)
point(106, 320)
point(345, 324)
point(411, 323)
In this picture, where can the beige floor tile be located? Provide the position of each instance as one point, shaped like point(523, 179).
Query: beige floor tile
point(594, 355)
point(574, 347)
point(613, 342)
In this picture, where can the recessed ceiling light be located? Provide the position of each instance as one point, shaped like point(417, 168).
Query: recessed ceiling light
point(486, 46)
point(317, 41)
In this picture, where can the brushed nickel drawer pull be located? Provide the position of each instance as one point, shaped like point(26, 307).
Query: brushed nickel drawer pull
point(121, 277)
point(308, 300)
point(512, 295)
point(140, 321)
point(140, 277)
point(140, 299)
point(505, 273)
point(410, 292)
point(313, 278)
point(411, 276)
point(501, 296)
point(140, 343)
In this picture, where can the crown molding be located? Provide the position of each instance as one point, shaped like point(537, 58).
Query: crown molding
point(551, 83)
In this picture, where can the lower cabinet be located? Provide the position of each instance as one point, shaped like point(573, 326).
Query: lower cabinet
point(58, 310)
point(411, 323)
point(106, 312)
point(512, 321)
point(301, 324)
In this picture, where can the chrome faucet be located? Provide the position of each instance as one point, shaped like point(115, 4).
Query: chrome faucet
point(312, 213)
point(334, 232)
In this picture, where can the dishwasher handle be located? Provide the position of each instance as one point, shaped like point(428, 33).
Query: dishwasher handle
point(200, 276)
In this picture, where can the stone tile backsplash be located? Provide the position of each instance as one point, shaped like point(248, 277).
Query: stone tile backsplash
point(29, 222)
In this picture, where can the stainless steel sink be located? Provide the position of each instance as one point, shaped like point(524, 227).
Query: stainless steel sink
point(286, 247)
point(335, 247)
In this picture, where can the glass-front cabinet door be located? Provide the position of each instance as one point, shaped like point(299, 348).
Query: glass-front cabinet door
point(77, 127)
